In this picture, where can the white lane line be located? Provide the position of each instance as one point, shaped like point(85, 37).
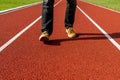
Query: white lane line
point(99, 27)
point(19, 34)
point(22, 31)
point(18, 8)
point(57, 3)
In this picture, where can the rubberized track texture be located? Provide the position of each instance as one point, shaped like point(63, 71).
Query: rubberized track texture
point(91, 56)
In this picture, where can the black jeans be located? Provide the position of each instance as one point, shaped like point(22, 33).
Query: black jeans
point(47, 14)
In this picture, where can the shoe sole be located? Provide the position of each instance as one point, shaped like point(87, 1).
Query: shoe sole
point(73, 36)
point(44, 39)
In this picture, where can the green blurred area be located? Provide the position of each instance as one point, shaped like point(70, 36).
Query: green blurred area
point(112, 4)
point(7, 4)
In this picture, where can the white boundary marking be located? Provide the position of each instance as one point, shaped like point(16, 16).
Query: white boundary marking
point(17, 8)
point(57, 3)
point(19, 34)
point(99, 27)
point(22, 31)
point(101, 6)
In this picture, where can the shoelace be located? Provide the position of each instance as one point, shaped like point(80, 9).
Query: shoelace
point(70, 30)
point(45, 33)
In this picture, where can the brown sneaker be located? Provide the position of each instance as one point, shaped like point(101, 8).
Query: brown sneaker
point(44, 36)
point(71, 33)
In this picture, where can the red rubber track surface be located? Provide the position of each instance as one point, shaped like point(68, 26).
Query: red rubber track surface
point(108, 20)
point(89, 57)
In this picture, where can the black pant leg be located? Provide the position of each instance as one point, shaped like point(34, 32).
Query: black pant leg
point(47, 16)
point(70, 13)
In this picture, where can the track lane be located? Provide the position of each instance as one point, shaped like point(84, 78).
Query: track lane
point(14, 22)
point(102, 31)
point(89, 57)
point(23, 30)
point(108, 19)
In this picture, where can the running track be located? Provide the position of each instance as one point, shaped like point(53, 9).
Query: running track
point(92, 56)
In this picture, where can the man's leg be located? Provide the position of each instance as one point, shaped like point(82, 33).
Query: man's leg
point(47, 20)
point(69, 18)
point(70, 13)
point(47, 16)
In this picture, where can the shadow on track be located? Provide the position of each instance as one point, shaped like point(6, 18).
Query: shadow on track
point(82, 36)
